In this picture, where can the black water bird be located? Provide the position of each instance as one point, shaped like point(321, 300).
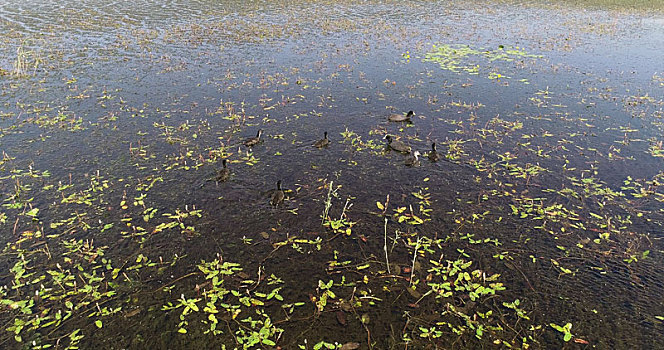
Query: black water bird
point(322, 142)
point(433, 154)
point(413, 159)
point(400, 117)
point(277, 196)
point(224, 173)
point(252, 141)
point(397, 145)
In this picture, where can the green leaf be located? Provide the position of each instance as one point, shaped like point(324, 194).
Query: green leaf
point(596, 216)
point(98, 323)
point(182, 330)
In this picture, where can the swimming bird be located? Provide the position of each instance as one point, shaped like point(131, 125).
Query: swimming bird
point(397, 145)
point(252, 141)
point(277, 196)
point(400, 117)
point(413, 159)
point(322, 142)
point(224, 173)
point(433, 155)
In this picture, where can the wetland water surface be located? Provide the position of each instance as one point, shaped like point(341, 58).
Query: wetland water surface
point(539, 225)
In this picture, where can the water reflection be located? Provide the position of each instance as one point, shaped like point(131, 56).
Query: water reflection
point(549, 182)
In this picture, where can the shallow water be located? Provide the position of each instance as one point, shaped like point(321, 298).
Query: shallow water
point(114, 121)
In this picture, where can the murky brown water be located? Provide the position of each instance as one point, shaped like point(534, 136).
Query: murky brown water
point(114, 118)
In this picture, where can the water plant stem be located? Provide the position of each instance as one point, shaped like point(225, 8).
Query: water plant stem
point(412, 268)
point(387, 259)
point(328, 203)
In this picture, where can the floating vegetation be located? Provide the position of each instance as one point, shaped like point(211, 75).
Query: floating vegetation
point(27, 62)
point(140, 151)
point(48, 293)
point(459, 59)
